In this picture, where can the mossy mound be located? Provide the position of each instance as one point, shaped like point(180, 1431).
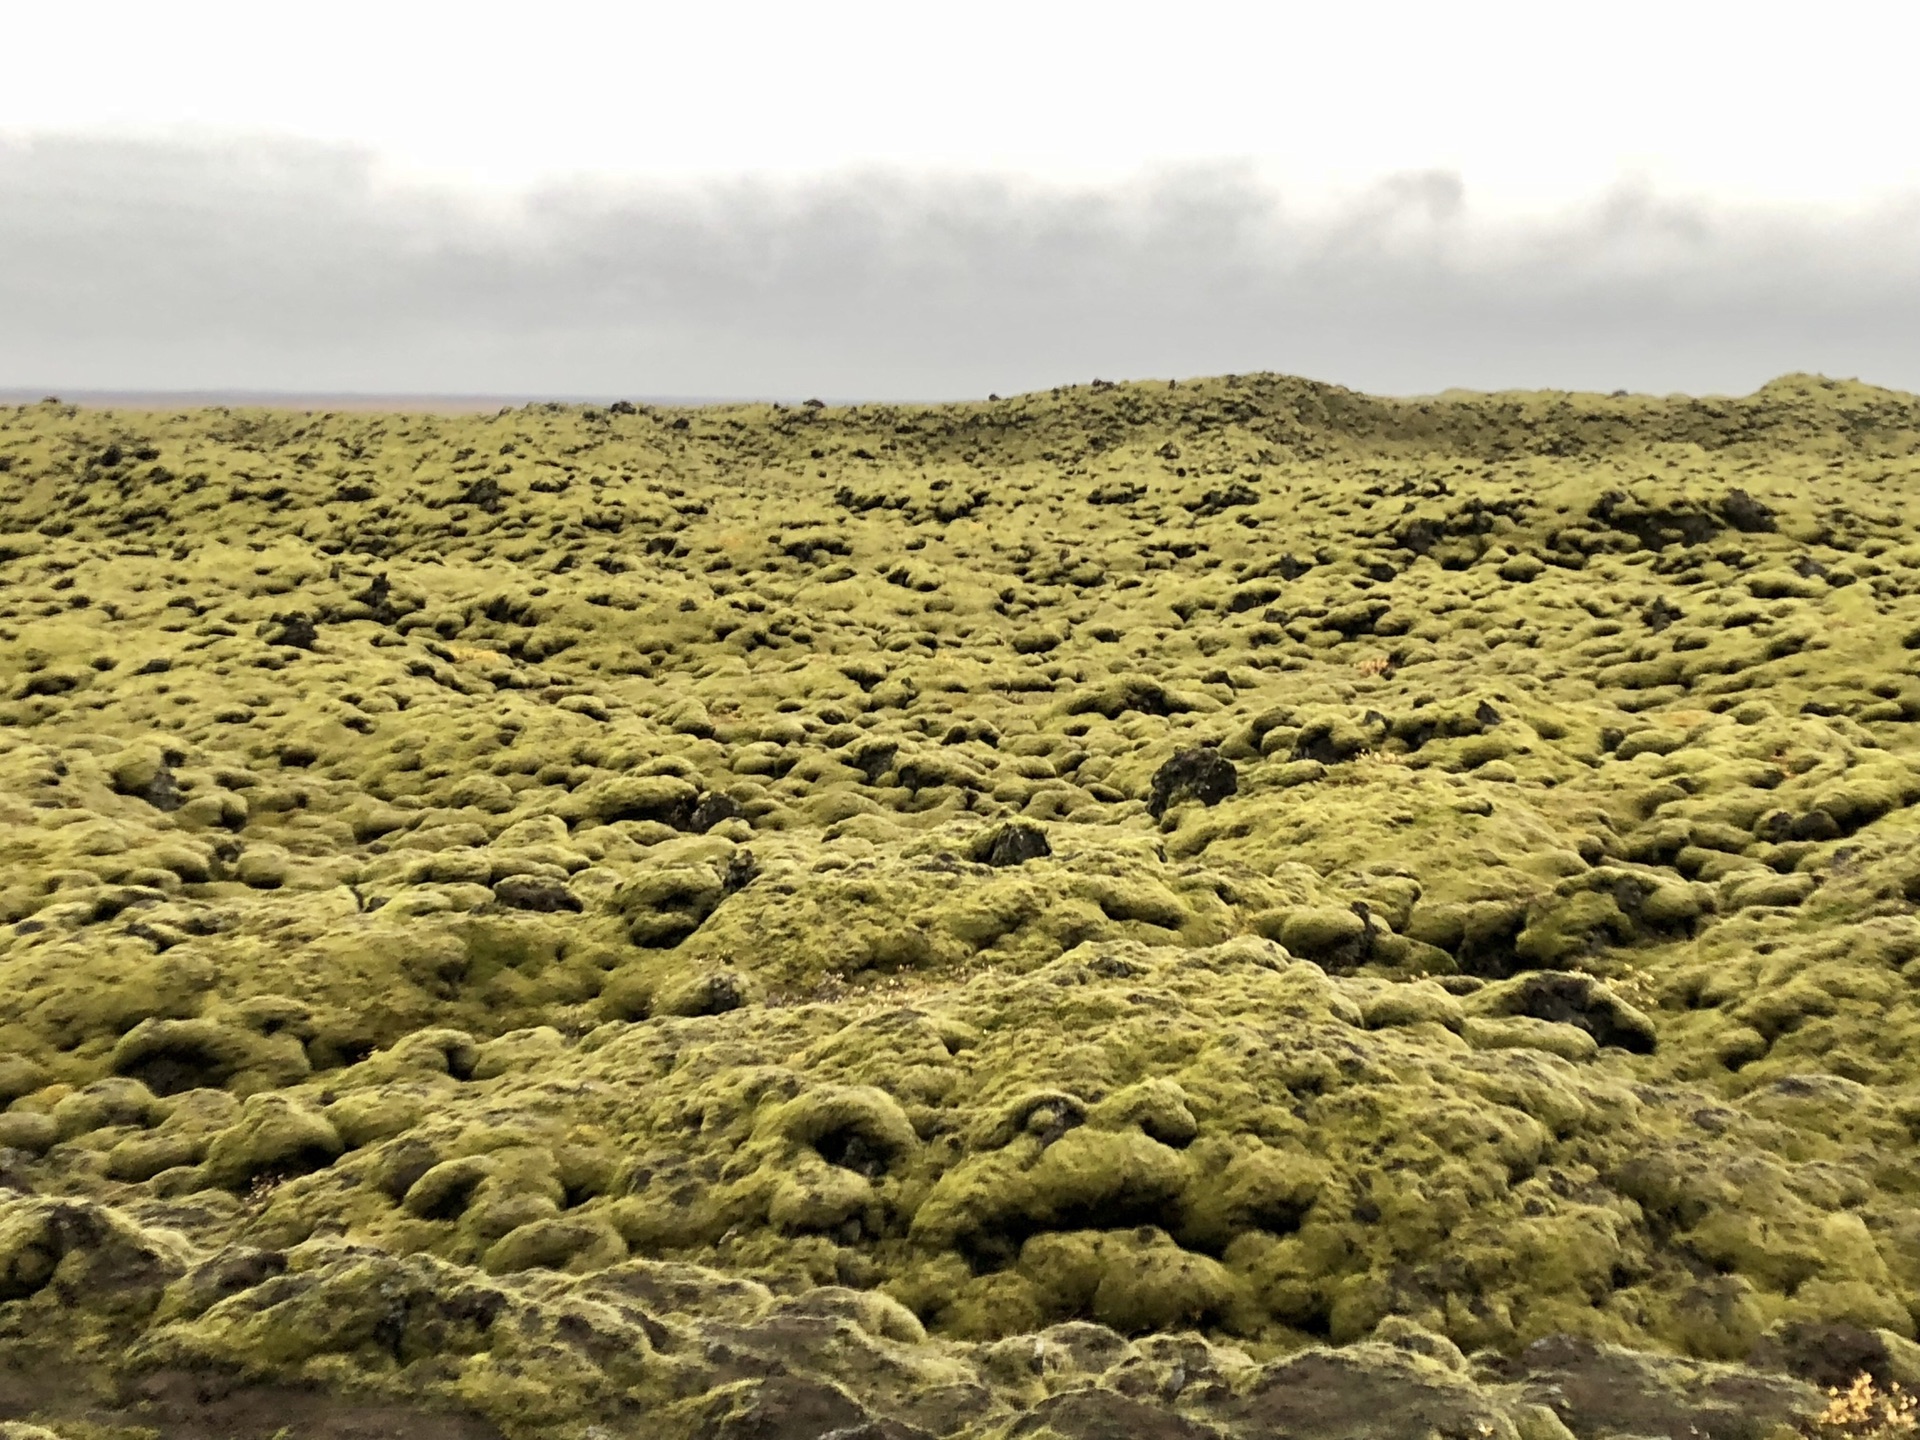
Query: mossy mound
point(1219, 908)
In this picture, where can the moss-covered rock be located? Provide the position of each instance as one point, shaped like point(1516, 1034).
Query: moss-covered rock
point(275, 1136)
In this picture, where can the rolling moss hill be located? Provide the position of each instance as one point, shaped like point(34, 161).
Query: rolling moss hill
point(1202, 910)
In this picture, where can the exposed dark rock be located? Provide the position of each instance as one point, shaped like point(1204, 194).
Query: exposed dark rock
point(1201, 773)
point(1661, 613)
point(1100, 1414)
point(1227, 497)
point(781, 1408)
point(1600, 1390)
point(484, 493)
point(1654, 526)
point(1815, 824)
point(1746, 514)
point(1013, 844)
point(1331, 1395)
point(1829, 1355)
point(378, 598)
point(742, 870)
point(296, 630)
point(712, 808)
point(535, 892)
point(1573, 999)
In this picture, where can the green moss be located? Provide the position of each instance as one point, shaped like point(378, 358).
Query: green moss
point(274, 1135)
point(631, 910)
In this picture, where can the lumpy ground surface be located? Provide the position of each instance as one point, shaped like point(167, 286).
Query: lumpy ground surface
point(1207, 910)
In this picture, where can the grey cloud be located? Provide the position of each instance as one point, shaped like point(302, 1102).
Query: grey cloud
point(285, 266)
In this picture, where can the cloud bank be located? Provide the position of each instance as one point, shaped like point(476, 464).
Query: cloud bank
point(284, 266)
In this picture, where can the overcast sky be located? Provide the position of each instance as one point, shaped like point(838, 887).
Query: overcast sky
point(939, 200)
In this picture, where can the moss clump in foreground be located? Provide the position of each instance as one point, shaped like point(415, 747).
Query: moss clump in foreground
point(1225, 908)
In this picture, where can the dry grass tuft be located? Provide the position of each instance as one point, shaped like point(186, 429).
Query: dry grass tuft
point(1864, 1410)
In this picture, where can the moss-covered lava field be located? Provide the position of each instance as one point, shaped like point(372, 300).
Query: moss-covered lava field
point(1219, 909)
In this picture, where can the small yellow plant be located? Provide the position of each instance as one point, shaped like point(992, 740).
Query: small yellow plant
point(1635, 986)
point(1864, 1410)
point(473, 654)
point(1376, 757)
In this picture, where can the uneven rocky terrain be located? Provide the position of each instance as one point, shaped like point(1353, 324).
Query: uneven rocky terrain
point(1224, 909)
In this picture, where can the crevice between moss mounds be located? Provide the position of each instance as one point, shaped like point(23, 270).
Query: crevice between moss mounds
point(1138, 694)
point(146, 773)
point(1567, 998)
point(1654, 525)
point(538, 893)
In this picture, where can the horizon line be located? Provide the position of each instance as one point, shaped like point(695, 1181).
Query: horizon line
point(462, 402)
point(478, 402)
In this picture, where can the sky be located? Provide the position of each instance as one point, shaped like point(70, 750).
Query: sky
point(936, 200)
